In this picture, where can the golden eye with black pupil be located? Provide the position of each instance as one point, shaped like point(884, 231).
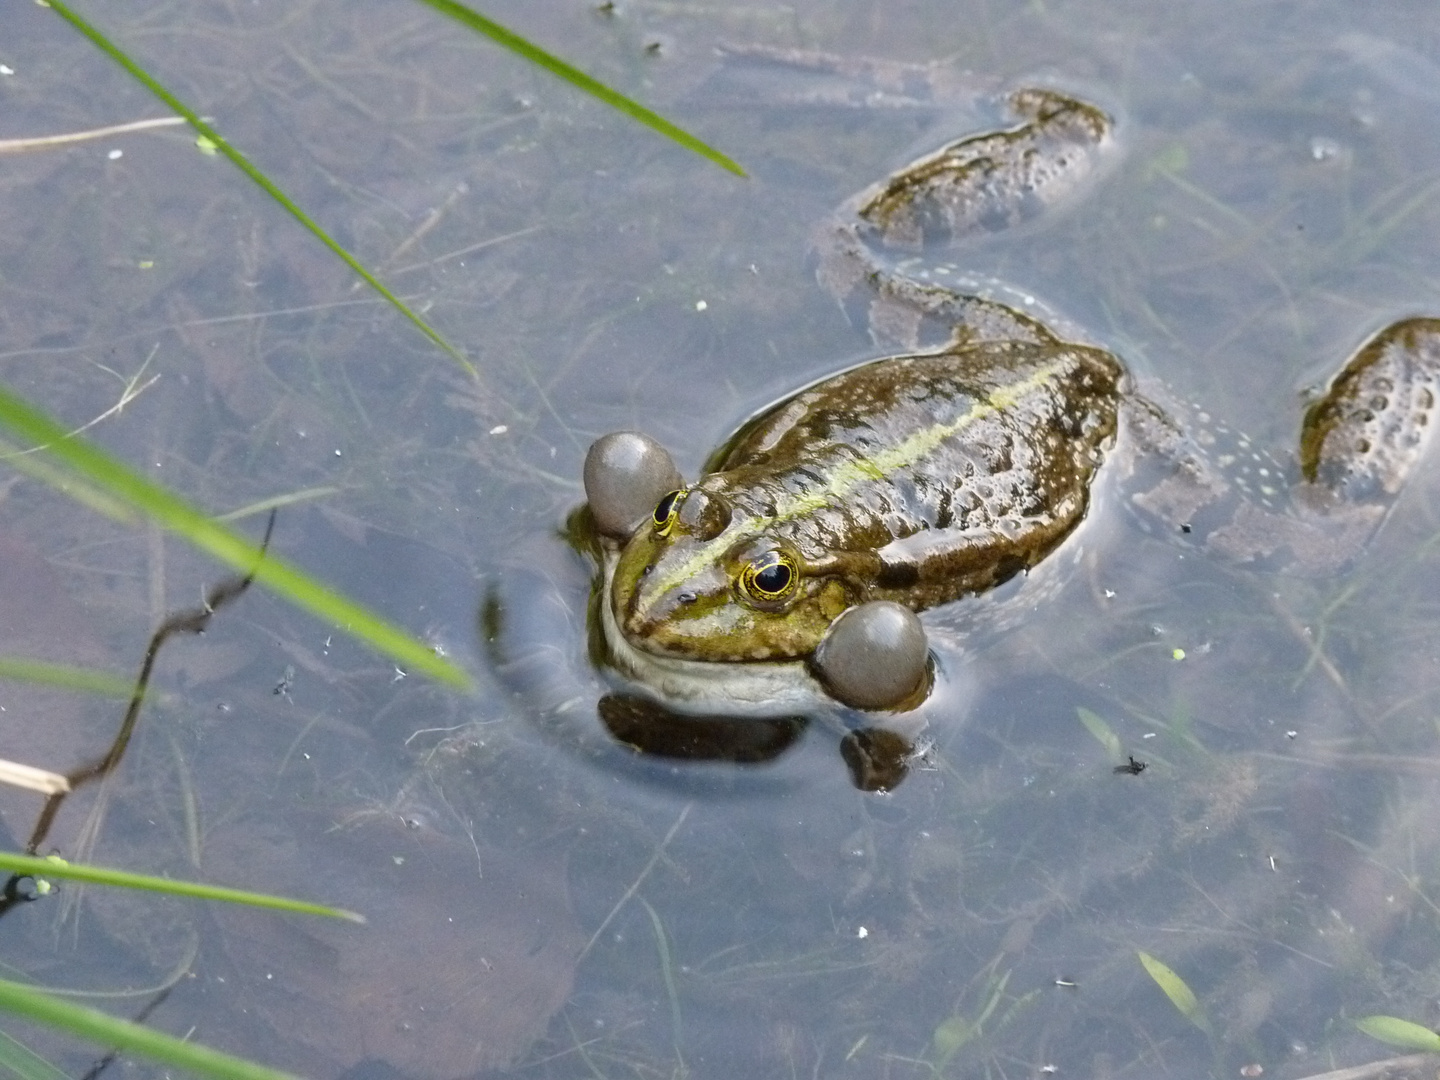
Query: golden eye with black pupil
point(666, 510)
point(770, 578)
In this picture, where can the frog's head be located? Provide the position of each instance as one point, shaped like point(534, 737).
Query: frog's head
point(696, 579)
point(699, 580)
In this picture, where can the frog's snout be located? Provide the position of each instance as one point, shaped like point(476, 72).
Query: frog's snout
point(639, 612)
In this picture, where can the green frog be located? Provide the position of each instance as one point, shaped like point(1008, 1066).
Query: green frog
point(791, 572)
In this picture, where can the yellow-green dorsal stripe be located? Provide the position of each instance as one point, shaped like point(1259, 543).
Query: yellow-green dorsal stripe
point(848, 474)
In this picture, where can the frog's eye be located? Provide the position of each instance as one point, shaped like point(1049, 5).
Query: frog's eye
point(770, 578)
point(666, 511)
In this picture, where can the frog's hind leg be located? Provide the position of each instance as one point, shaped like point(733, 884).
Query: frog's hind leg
point(832, 80)
point(1190, 474)
point(977, 184)
point(1358, 444)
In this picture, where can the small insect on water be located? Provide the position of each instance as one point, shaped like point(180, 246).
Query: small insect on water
point(1132, 767)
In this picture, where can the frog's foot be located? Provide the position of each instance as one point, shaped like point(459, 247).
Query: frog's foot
point(985, 183)
point(1358, 444)
point(981, 183)
point(875, 656)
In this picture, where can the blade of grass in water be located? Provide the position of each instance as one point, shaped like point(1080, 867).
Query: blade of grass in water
point(1177, 990)
point(46, 142)
point(278, 502)
point(109, 1031)
point(577, 78)
point(1104, 734)
point(23, 1062)
point(85, 680)
point(177, 515)
point(34, 866)
point(1403, 1033)
point(241, 162)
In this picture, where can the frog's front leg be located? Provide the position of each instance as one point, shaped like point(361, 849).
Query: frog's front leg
point(981, 183)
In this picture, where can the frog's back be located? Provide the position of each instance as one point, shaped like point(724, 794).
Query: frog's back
point(958, 468)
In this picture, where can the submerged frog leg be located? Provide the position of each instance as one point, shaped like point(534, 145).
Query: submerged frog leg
point(980, 183)
point(1358, 444)
point(863, 82)
point(1211, 487)
point(1193, 473)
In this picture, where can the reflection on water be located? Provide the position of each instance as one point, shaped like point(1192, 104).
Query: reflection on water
point(652, 729)
point(543, 900)
point(878, 760)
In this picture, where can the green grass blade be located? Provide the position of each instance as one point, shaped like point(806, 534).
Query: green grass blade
point(109, 1031)
point(185, 520)
point(278, 502)
point(34, 866)
point(23, 1062)
point(241, 162)
point(1176, 989)
point(85, 680)
point(950, 1037)
point(1401, 1033)
point(577, 78)
point(47, 472)
point(1104, 734)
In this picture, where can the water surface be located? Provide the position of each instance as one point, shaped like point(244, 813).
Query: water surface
point(543, 900)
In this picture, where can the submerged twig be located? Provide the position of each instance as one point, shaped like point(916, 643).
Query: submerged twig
point(46, 142)
point(193, 621)
point(635, 885)
point(132, 390)
point(31, 778)
point(93, 1073)
point(431, 220)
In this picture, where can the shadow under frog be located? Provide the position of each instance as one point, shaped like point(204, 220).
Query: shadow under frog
point(786, 581)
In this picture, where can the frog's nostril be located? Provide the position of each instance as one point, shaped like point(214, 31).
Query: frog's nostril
point(687, 597)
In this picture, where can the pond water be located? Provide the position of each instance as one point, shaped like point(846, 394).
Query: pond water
point(544, 900)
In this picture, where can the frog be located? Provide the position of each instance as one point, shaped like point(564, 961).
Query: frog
point(791, 574)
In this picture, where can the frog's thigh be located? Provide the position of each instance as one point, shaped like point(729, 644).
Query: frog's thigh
point(1360, 441)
